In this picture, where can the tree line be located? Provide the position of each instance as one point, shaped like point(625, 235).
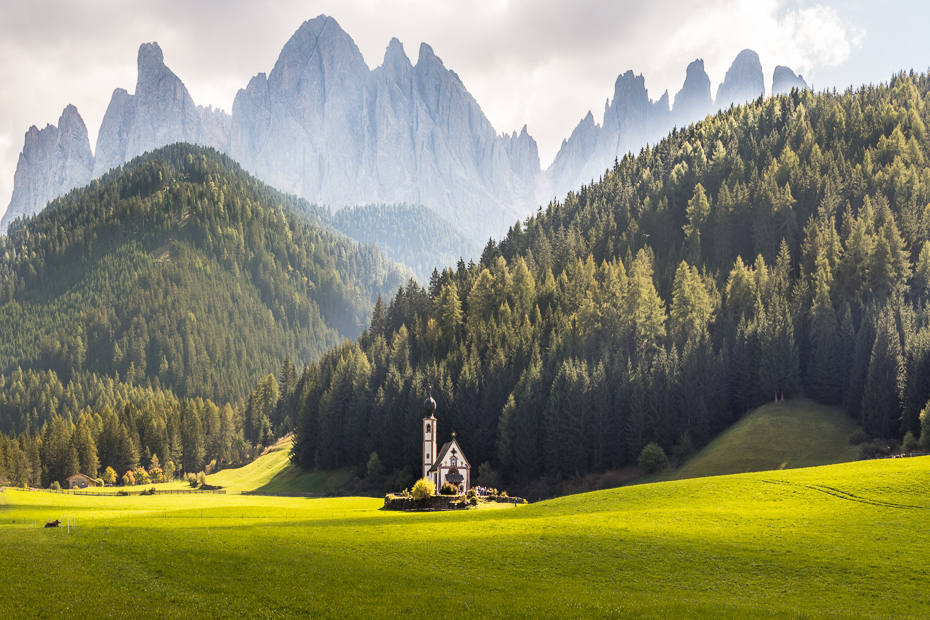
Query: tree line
point(775, 249)
point(93, 424)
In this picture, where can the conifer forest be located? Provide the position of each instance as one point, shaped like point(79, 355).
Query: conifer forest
point(775, 249)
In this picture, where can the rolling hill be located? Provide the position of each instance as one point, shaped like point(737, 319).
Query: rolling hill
point(840, 541)
point(274, 473)
point(788, 435)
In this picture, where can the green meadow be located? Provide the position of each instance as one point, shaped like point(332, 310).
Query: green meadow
point(273, 472)
point(840, 541)
point(795, 433)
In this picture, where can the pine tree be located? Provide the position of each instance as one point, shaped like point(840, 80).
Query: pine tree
point(449, 315)
point(192, 439)
point(636, 431)
point(825, 376)
point(698, 212)
point(692, 308)
point(881, 398)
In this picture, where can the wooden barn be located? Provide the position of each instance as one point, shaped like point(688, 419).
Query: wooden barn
point(81, 481)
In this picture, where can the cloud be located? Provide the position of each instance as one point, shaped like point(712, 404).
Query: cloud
point(817, 36)
point(543, 63)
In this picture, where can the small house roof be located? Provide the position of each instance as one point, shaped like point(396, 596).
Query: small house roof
point(84, 476)
point(442, 454)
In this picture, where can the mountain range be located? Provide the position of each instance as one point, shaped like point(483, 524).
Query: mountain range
point(324, 127)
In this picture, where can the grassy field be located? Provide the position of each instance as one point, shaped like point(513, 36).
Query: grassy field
point(843, 541)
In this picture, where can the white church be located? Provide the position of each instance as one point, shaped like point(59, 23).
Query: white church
point(449, 464)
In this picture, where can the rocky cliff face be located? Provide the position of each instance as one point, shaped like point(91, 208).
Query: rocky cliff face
point(54, 161)
point(325, 127)
point(693, 102)
point(160, 112)
point(631, 120)
point(743, 81)
point(784, 79)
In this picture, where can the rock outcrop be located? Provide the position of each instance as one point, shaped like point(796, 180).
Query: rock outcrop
point(160, 112)
point(784, 79)
point(631, 120)
point(323, 126)
point(54, 161)
point(693, 102)
point(743, 81)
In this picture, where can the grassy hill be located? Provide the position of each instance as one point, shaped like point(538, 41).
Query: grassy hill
point(273, 472)
point(841, 541)
point(788, 435)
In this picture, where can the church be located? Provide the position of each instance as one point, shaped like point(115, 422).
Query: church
point(447, 464)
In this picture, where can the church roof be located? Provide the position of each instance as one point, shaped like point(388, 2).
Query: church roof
point(442, 454)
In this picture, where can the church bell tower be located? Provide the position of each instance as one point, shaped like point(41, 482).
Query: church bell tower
point(429, 435)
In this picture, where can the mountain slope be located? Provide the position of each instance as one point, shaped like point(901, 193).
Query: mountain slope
point(182, 268)
point(410, 234)
point(273, 472)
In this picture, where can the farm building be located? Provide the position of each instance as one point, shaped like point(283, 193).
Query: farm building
point(447, 464)
point(81, 481)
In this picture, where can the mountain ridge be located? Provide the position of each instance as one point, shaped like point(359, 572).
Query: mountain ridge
point(323, 126)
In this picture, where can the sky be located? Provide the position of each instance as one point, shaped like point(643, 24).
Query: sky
point(540, 63)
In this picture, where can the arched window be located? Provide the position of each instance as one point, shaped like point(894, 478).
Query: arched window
point(429, 428)
point(454, 462)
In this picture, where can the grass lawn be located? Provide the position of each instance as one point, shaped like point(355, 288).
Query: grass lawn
point(843, 541)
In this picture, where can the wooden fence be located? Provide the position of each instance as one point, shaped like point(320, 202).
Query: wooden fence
point(124, 493)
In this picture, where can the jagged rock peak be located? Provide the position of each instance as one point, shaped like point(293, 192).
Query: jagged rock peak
point(395, 47)
point(152, 69)
point(427, 60)
point(160, 112)
point(150, 54)
point(395, 56)
point(70, 115)
point(662, 105)
point(743, 81)
point(693, 102)
point(322, 36)
point(54, 160)
point(784, 79)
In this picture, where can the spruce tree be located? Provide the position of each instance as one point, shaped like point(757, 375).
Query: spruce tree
point(881, 399)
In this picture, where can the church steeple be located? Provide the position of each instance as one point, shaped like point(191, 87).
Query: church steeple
point(429, 433)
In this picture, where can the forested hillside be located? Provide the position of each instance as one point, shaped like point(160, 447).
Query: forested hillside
point(775, 249)
point(183, 272)
point(409, 234)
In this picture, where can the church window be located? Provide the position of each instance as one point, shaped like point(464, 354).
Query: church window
point(454, 461)
point(429, 428)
